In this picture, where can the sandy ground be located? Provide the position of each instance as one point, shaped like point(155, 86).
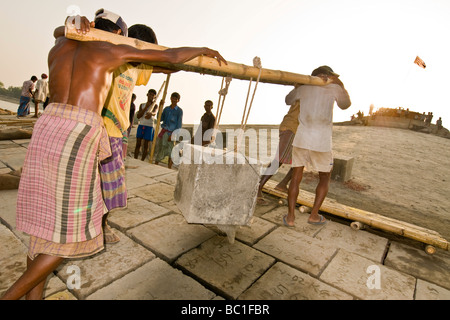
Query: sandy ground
point(397, 173)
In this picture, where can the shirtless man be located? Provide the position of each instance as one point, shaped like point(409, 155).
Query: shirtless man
point(61, 166)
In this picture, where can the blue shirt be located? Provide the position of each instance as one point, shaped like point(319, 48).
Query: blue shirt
point(172, 118)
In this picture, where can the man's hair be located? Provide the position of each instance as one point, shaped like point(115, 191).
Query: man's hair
point(34, 78)
point(106, 25)
point(152, 91)
point(209, 101)
point(142, 32)
point(176, 95)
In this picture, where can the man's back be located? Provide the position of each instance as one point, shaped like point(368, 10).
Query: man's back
point(81, 73)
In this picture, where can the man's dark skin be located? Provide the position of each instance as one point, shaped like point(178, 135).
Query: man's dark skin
point(80, 74)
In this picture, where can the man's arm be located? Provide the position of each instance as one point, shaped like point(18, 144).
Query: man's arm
point(342, 97)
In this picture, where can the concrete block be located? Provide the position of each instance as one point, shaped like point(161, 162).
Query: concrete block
point(429, 291)
point(432, 268)
point(170, 236)
point(298, 250)
point(367, 280)
point(106, 266)
point(229, 268)
point(216, 187)
point(156, 280)
point(138, 211)
point(282, 282)
point(342, 168)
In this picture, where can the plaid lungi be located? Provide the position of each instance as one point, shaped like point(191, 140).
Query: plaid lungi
point(112, 174)
point(60, 198)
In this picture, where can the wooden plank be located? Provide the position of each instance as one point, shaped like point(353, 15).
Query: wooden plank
point(202, 65)
point(371, 219)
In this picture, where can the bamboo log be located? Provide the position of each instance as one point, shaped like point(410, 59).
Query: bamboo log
point(202, 65)
point(371, 219)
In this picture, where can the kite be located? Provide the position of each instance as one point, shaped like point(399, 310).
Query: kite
point(420, 62)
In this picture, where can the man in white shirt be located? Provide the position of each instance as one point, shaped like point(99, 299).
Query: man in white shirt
point(312, 146)
point(41, 93)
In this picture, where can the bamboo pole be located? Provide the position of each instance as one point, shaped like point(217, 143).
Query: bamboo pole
point(371, 219)
point(158, 122)
point(202, 64)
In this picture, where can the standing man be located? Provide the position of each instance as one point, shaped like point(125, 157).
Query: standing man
point(207, 122)
point(145, 130)
point(25, 97)
point(312, 146)
point(172, 119)
point(59, 201)
point(41, 93)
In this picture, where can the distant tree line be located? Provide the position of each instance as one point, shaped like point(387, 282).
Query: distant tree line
point(13, 92)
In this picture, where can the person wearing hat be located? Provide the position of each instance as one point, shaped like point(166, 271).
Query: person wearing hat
point(312, 145)
point(41, 93)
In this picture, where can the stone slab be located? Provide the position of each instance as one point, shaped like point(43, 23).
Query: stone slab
point(283, 282)
point(169, 178)
point(367, 280)
point(10, 244)
point(432, 268)
point(156, 280)
point(11, 268)
point(253, 233)
point(136, 179)
point(229, 268)
point(361, 242)
point(158, 193)
point(170, 236)
point(8, 200)
point(106, 266)
point(14, 157)
point(138, 211)
point(429, 291)
point(144, 168)
point(297, 250)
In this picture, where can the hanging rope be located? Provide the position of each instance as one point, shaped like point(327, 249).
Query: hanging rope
point(256, 64)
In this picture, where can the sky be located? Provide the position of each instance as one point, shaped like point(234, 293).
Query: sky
point(371, 44)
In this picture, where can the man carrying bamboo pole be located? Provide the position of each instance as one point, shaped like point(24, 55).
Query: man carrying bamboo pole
point(312, 145)
point(59, 202)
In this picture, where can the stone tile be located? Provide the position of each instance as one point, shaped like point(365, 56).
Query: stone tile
point(8, 200)
point(361, 242)
point(14, 158)
point(158, 193)
point(297, 249)
point(229, 268)
point(10, 244)
point(156, 280)
point(432, 268)
point(301, 221)
point(106, 266)
point(169, 178)
point(11, 269)
point(145, 169)
point(282, 282)
point(170, 236)
point(253, 233)
point(138, 211)
point(365, 279)
point(429, 291)
point(171, 206)
point(136, 180)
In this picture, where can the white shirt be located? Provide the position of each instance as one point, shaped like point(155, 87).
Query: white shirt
point(315, 128)
point(41, 89)
point(143, 121)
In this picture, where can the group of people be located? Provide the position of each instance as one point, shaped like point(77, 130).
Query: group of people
point(75, 160)
point(33, 89)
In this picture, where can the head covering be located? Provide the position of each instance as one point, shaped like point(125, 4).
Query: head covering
point(324, 70)
point(44, 76)
point(115, 18)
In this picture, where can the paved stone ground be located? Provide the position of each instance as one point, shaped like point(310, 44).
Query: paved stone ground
point(161, 256)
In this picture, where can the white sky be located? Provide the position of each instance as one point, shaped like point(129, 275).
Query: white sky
point(371, 44)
